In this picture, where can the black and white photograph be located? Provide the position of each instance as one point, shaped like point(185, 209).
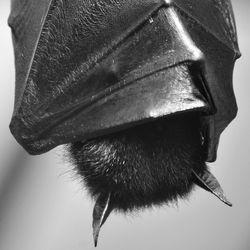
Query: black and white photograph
point(125, 125)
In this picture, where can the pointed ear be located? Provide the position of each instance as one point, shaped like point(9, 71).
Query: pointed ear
point(102, 210)
point(208, 182)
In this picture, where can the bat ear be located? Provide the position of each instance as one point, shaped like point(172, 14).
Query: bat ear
point(102, 210)
point(208, 182)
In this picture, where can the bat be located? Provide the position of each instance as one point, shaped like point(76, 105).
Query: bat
point(139, 91)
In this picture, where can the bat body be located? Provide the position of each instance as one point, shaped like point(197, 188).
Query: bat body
point(143, 166)
point(140, 90)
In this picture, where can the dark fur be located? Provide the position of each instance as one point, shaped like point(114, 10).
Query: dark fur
point(145, 165)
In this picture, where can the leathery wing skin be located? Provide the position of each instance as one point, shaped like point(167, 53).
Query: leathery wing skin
point(88, 68)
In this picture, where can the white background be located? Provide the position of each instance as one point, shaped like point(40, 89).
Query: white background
point(44, 207)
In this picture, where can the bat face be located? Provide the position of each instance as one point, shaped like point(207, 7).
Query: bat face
point(140, 90)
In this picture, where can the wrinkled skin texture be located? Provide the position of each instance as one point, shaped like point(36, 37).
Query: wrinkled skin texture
point(145, 165)
point(75, 59)
point(159, 72)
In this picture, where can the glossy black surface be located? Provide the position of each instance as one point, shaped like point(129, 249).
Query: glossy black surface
point(87, 68)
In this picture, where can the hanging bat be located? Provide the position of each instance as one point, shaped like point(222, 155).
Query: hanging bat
point(139, 90)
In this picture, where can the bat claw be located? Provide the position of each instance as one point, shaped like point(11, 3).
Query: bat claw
point(101, 212)
point(208, 182)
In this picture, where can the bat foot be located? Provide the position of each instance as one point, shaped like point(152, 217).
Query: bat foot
point(207, 181)
point(102, 209)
